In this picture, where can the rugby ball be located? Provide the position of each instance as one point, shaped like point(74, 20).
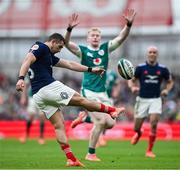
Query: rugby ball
point(125, 69)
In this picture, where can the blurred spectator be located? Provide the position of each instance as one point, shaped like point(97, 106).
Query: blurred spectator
point(10, 108)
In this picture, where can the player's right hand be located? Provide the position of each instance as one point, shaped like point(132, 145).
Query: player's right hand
point(98, 70)
point(130, 15)
point(20, 85)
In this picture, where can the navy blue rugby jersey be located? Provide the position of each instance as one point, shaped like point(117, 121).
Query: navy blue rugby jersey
point(150, 78)
point(40, 72)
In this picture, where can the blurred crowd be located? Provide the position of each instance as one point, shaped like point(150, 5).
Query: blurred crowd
point(10, 108)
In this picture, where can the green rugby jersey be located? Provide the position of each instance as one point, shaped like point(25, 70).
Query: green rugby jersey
point(95, 58)
point(30, 94)
point(29, 90)
point(110, 82)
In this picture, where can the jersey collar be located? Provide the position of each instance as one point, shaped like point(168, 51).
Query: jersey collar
point(91, 48)
point(152, 65)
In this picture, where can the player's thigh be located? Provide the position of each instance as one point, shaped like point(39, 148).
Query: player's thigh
point(154, 118)
point(57, 120)
point(100, 97)
point(138, 123)
point(98, 117)
point(77, 100)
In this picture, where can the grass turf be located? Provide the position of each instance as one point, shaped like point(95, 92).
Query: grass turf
point(117, 155)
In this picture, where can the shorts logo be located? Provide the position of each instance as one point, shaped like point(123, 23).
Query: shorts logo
point(64, 95)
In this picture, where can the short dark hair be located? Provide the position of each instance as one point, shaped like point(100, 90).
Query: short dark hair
point(56, 36)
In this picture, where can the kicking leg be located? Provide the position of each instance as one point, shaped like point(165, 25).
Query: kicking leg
point(78, 100)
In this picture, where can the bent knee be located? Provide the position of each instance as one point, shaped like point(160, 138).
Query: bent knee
point(110, 123)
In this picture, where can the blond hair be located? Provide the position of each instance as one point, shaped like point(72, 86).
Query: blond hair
point(94, 29)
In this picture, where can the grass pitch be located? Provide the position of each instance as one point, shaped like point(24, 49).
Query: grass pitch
point(117, 155)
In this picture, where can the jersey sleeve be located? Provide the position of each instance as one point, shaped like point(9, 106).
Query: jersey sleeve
point(37, 50)
point(137, 72)
point(82, 50)
point(55, 60)
point(166, 74)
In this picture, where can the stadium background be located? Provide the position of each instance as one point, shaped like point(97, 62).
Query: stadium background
point(24, 21)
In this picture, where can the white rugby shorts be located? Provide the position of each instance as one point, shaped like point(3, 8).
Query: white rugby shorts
point(32, 108)
point(144, 107)
point(101, 97)
point(52, 97)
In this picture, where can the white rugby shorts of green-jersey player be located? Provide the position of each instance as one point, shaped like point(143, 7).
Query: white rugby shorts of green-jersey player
point(52, 97)
point(100, 97)
point(146, 106)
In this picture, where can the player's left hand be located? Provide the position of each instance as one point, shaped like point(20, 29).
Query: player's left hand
point(73, 20)
point(98, 70)
point(129, 16)
point(164, 93)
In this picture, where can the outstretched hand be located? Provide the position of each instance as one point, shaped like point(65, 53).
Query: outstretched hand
point(73, 20)
point(129, 16)
point(98, 70)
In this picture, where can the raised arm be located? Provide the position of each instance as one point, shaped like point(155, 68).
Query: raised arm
point(29, 59)
point(71, 65)
point(117, 41)
point(73, 47)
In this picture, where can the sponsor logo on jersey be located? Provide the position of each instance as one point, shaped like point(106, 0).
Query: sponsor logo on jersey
point(151, 79)
point(97, 61)
point(101, 52)
point(89, 54)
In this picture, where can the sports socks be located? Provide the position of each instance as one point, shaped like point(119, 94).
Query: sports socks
point(152, 138)
point(107, 109)
point(139, 133)
point(67, 150)
point(28, 126)
point(92, 150)
point(88, 119)
point(41, 129)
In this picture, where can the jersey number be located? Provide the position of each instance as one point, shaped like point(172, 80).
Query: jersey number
point(31, 73)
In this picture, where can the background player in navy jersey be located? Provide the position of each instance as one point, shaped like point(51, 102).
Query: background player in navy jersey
point(93, 87)
point(51, 95)
point(149, 103)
